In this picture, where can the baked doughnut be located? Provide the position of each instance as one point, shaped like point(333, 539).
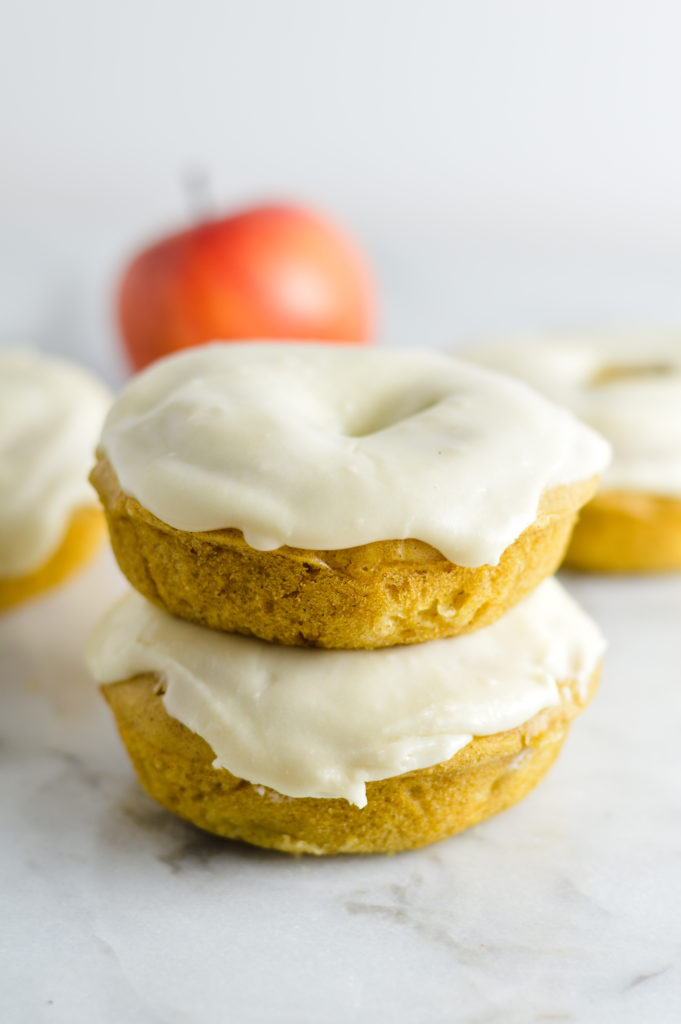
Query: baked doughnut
point(323, 496)
point(622, 531)
point(629, 389)
point(51, 413)
point(344, 751)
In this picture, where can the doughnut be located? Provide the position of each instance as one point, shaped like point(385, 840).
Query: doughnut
point(324, 752)
point(629, 389)
point(51, 413)
point(328, 497)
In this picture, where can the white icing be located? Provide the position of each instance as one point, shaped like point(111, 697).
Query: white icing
point(322, 723)
point(51, 413)
point(639, 412)
point(331, 447)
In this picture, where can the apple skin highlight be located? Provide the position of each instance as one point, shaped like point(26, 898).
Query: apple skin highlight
point(277, 272)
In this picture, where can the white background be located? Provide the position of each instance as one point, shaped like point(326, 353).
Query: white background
point(506, 165)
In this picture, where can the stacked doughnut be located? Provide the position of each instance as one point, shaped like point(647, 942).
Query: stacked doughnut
point(629, 389)
point(341, 637)
point(51, 413)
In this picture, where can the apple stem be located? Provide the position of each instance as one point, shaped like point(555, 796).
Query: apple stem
point(198, 193)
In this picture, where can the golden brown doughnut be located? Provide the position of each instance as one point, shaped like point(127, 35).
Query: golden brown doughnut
point(491, 773)
point(375, 595)
point(620, 531)
point(84, 534)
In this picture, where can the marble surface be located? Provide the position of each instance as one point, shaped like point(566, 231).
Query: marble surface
point(565, 908)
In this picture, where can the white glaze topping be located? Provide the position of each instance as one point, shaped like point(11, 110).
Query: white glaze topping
point(323, 723)
point(51, 413)
point(331, 447)
point(627, 388)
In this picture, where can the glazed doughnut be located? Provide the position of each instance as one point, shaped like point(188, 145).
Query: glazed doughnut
point(629, 389)
point(51, 414)
point(331, 497)
point(312, 751)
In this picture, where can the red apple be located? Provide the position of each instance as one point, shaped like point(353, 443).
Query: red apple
point(269, 272)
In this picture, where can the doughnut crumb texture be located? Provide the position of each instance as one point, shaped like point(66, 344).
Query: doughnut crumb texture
point(375, 595)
